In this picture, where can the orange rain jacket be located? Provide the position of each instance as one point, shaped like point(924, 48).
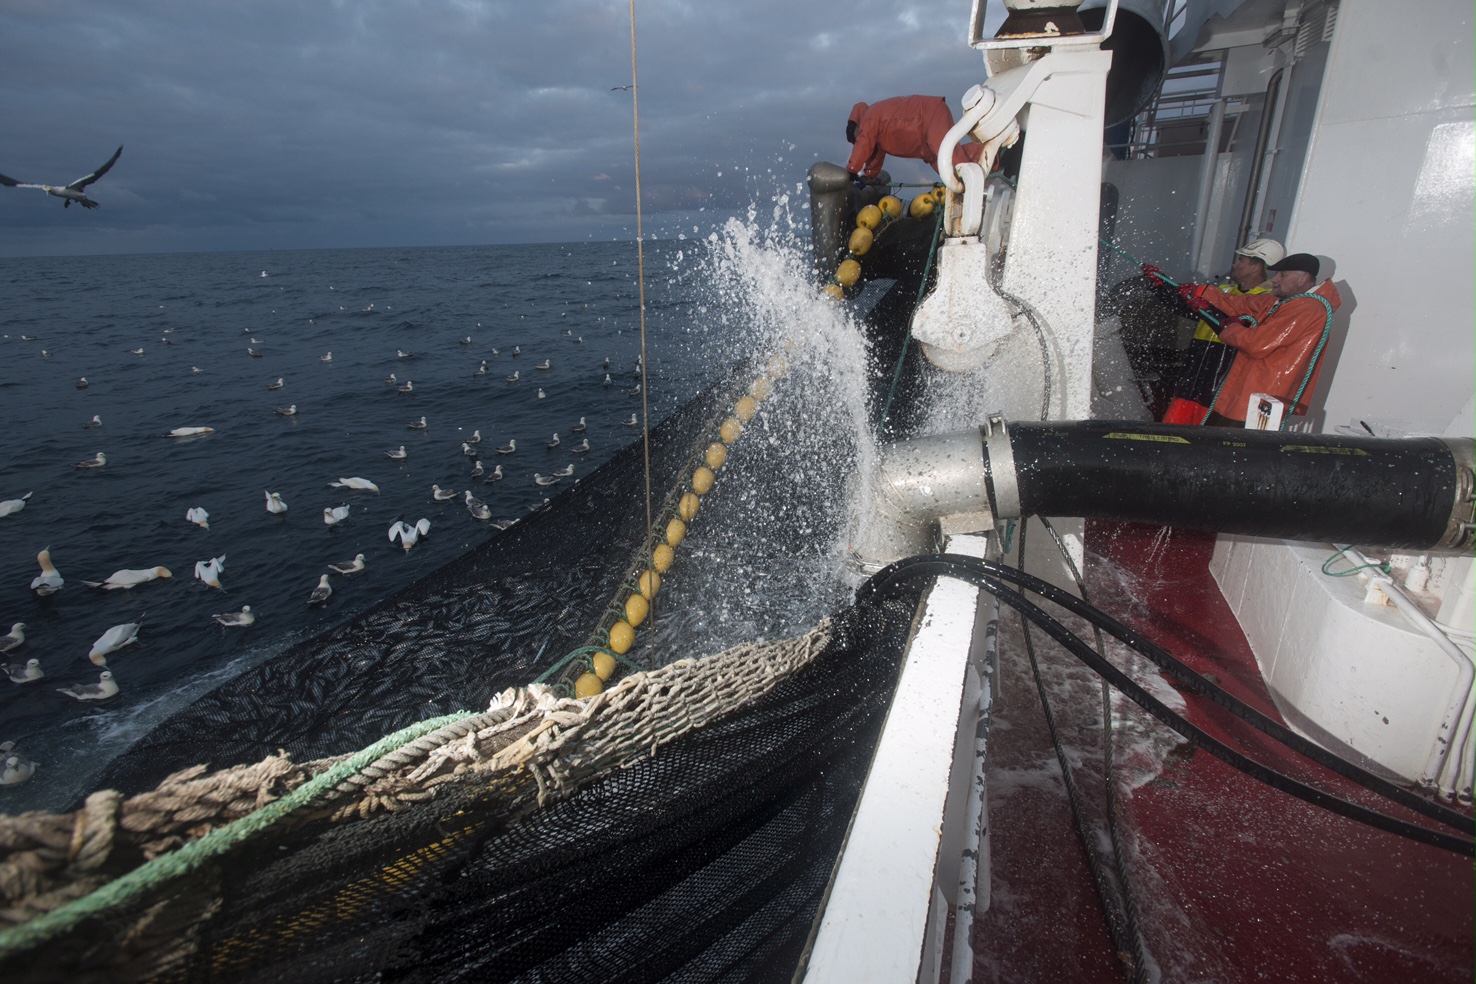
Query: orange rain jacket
point(904, 126)
point(1272, 357)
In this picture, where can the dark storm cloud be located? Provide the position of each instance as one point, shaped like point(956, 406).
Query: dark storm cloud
point(276, 125)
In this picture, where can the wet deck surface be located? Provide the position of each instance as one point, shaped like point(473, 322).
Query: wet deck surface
point(1235, 881)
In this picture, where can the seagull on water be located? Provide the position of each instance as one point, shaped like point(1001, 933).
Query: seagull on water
point(277, 385)
point(192, 431)
point(581, 448)
point(137, 351)
point(517, 350)
point(14, 639)
point(545, 364)
point(405, 387)
point(545, 479)
point(466, 340)
point(11, 506)
point(49, 581)
point(26, 672)
point(81, 383)
point(481, 370)
point(580, 427)
point(541, 394)
point(333, 515)
point(496, 475)
point(631, 422)
point(96, 462)
point(113, 640)
point(416, 425)
point(237, 620)
point(440, 494)
point(514, 377)
point(509, 447)
point(607, 379)
point(390, 380)
point(96, 421)
point(468, 450)
point(398, 454)
point(361, 484)
point(288, 411)
point(476, 437)
point(553, 442)
point(69, 193)
point(252, 352)
point(198, 516)
point(566, 471)
point(105, 687)
point(478, 471)
point(127, 579)
point(349, 566)
point(275, 504)
point(15, 768)
point(477, 507)
point(409, 535)
point(321, 592)
point(326, 357)
point(402, 354)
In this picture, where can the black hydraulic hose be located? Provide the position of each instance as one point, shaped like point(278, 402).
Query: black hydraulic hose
point(1388, 492)
point(986, 576)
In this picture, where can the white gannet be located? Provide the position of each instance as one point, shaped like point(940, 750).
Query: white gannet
point(14, 639)
point(408, 535)
point(27, 672)
point(198, 516)
point(277, 385)
point(362, 484)
point(15, 768)
point(406, 387)
point(96, 421)
point(238, 620)
point(275, 504)
point(129, 579)
point(580, 427)
point(252, 352)
point(96, 462)
point(12, 506)
point(81, 383)
point(582, 447)
point(496, 475)
point(514, 377)
point(104, 688)
point(545, 364)
point(476, 437)
point(390, 380)
point(553, 442)
point(69, 193)
point(290, 411)
point(49, 581)
point(398, 455)
point(321, 592)
point(477, 507)
point(190, 431)
point(326, 357)
point(631, 422)
point(566, 471)
point(113, 640)
point(333, 515)
point(349, 566)
point(402, 354)
point(541, 394)
point(607, 379)
point(468, 450)
point(508, 448)
point(544, 479)
point(440, 494)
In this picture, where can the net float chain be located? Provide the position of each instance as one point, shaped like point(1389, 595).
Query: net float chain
point(868, 220)
point(638, 603)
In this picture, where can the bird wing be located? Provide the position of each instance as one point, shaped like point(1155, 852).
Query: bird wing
point(81, 183)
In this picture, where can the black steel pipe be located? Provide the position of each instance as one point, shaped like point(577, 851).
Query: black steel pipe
point(1411, 493)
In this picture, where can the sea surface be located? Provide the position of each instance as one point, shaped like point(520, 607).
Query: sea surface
point(163, 342)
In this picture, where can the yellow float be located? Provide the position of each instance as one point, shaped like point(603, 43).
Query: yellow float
point(730, 431)
point(603, 665)
point(702, 480)
point(622, 637)
point(588, 685)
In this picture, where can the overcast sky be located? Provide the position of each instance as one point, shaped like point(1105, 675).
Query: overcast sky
point(287, 125)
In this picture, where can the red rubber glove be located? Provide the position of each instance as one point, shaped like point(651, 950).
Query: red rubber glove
point(1154, 273)
point(1193, 295)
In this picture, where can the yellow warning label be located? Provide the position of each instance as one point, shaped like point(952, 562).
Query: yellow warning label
point(1160, 438)
point(1313, 449)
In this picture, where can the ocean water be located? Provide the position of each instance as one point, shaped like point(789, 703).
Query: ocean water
point(194, 317)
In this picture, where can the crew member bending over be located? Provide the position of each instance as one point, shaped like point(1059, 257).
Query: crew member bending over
point(1279, 354)
point(903, 126)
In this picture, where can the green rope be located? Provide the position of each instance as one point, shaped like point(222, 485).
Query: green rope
point(192, 855)
point(1311, 364)
point(921, 287)
point(1384, 567)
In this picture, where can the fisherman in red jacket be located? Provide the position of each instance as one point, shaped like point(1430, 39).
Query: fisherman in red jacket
point(903, 126)
point(1280, 352)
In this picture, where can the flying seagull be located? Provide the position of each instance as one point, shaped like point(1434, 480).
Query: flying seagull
point(72, 192)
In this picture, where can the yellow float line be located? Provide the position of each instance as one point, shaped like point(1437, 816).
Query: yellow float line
point(868, 220)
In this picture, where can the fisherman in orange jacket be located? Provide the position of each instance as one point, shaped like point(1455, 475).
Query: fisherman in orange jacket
point(903, 126)
point(1279, 354)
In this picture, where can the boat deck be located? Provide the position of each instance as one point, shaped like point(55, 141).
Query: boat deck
point(1234, 880)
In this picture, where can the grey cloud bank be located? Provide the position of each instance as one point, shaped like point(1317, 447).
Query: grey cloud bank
point(293, 126)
